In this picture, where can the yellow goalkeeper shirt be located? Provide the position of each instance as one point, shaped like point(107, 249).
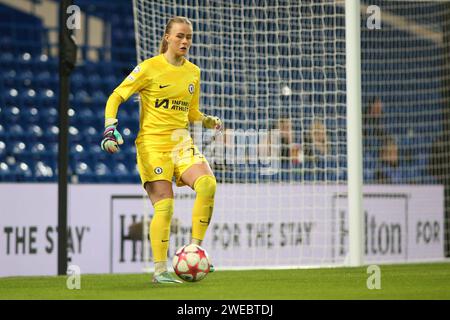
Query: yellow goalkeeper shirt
point(169, 98)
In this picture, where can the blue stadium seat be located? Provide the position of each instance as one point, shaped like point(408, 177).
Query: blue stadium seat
point(134, 171)
point(90, 134)
point(102, 172)
point(49, 115)
point(81, 96)
point(77, 80)
point(110, 82)
point(129, 134)
point(18, 149)
point(6, 59)
point(99, 97)
point(120, 170)
point(49, 153)
point(15, 131)
point(95, 150)
point(2, 149)
point(30, 115)
point(85, 115)
point(34, 132)
point(129, 148)
point(38, 148)
point(77, 151)
point(44, 79)
point(28, 97)
point(23, 172)
point(96, 154)
point(11, 113)
point(6, 172)
point(46, 97)
point(74, 134)
point(40, 62)
point(51, 133)
point(99, 113)
point(9, 77)
point(26, 78)
point(94, 81)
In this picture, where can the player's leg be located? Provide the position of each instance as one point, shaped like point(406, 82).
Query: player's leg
point(161, 195)
point(192, 169)
point(200, 177)
point(156, 171)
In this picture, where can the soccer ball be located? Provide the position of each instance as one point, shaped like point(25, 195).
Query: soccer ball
point(191, 263)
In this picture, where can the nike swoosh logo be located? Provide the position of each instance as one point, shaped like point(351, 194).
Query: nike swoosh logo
point(164, 240)
point(163, 86)
point(207, 221)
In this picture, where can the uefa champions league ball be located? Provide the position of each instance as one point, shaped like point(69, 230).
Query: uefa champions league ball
point(191, 263)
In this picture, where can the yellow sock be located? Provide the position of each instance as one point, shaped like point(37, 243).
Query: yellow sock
point(205, 186)
point(160, 229)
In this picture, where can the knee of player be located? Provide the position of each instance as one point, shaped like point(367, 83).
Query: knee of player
point(205, 186)
point(164, 207)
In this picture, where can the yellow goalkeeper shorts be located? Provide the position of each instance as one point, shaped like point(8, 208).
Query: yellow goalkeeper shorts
point(154, 165)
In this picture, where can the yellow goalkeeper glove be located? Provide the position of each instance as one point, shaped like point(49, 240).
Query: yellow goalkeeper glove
point(212, 122)
point(111, 136)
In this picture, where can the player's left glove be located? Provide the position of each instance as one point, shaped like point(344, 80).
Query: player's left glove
point(212, 122)
point(111, 137)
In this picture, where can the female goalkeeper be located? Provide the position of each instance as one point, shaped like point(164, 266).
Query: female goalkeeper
point(169, 89)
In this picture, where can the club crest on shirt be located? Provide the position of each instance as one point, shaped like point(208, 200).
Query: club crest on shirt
point(191, 88)
point(158, 170)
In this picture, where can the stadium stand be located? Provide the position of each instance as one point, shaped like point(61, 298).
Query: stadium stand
point(29, 114)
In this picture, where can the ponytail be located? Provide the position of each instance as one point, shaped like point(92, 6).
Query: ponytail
point(163, 45)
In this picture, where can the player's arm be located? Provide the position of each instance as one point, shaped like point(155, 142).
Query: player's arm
point(210, 122)
point(111, 136)
point(133, 83)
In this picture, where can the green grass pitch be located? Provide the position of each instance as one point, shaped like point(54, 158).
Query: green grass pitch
point(407, 281)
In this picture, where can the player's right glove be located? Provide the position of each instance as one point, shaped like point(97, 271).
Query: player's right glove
point(111, 137)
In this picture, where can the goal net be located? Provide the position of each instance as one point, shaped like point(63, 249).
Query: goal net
point(275, 73)
point(405, 81)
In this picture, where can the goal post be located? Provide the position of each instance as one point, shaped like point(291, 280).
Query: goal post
point(354, 131)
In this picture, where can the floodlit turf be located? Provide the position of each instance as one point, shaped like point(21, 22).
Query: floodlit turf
point(414, 281)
